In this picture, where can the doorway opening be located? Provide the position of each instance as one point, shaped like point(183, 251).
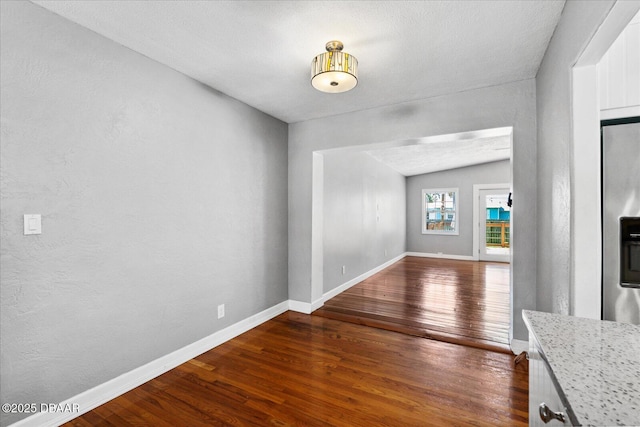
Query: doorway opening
point(492, 222)
point(348, 249)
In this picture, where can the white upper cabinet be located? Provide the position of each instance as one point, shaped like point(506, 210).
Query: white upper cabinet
point(619, 74)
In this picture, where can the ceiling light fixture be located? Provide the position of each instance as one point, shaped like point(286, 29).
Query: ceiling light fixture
point(334, 71)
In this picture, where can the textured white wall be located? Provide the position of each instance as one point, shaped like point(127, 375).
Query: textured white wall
point(160, 198)
point(463, 179)
point(579, 21)
point(364, 215)
point(511, 104)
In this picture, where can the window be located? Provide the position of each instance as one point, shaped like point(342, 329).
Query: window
point(440, 211)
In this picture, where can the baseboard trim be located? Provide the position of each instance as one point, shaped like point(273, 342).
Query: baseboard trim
point(111, 389)
point(317, 304)
point(308, 308)
point(299, 306)
point(441, 255)
point(338, 290)
point(305, 307)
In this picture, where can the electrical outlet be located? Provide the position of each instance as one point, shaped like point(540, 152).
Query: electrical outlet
point(344, 269)
point(220, 311)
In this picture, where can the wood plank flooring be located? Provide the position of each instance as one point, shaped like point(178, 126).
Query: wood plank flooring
point(464, 302)
point(302, 370)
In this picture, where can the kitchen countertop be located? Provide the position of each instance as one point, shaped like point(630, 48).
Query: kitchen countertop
point(596, 363)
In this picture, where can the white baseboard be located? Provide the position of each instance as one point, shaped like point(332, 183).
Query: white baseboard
point(441, 255)
point(300, 306)
point(317, 304)
point(305, 307)
point(308, 308)
point(103, 393)
point(518, 346)
point(338, 290)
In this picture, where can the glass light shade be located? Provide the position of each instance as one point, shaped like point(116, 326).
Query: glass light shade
point(334, 71)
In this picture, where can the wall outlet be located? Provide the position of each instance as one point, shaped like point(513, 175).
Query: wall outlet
point(220, 311)
point(385, 252)
point(344, 269)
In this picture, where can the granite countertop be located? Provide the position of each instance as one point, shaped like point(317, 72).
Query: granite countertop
point(595, 362)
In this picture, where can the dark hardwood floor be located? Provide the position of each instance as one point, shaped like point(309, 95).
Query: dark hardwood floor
point(464, 302)
point(302, 370)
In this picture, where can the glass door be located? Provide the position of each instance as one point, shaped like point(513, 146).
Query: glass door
point(495, 225)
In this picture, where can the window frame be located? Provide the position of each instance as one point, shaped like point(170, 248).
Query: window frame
point(456, 211)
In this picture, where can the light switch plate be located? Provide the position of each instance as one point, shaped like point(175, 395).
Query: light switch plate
point(32, 224)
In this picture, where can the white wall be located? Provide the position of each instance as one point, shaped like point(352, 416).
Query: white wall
point(160, 198)
point(511, 104)
point(364, 215)
point(463, 179)
point(556, 151)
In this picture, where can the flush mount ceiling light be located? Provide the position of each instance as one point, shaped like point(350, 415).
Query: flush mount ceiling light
point(334, 71)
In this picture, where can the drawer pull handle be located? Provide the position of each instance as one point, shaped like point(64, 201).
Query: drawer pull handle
point(546, 414)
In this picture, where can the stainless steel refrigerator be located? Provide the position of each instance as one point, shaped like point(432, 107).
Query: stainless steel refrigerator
point(621, 220)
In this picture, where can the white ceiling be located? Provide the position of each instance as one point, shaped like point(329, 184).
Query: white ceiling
point(438, 152)
point(424, 156)
point(260, 52)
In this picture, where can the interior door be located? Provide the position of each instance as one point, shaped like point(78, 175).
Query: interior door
point(494, 225)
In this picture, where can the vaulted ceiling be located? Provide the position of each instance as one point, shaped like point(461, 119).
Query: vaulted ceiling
point(426, 155)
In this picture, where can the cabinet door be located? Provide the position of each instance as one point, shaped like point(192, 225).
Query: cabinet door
point(542, 390)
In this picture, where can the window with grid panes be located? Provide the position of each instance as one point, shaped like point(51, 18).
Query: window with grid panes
point(440, 211)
